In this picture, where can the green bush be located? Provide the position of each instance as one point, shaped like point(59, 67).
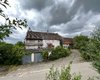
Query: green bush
point(90, 47)
point(80, 41)
point(59, 52)
point(96, 64)
point(85, 47)
point(90, 51)
point(86, 51)
point(5, 53)
point(10, 54)
point(18, 53)
point(45, 55)
point(20, 43)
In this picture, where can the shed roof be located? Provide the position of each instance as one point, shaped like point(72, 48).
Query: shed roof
point(67, 41)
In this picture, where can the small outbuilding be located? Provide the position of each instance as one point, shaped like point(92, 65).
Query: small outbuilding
point(67, 42)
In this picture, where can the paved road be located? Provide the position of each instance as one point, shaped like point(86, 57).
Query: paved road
point(38, 71)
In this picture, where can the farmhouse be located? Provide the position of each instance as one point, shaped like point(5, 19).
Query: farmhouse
point(42, 40)
point(36, 42)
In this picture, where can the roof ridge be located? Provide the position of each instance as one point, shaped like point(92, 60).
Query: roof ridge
point(43, 32)
point(43, 35)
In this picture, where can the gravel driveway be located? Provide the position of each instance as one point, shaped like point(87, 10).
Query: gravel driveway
point(38, 71)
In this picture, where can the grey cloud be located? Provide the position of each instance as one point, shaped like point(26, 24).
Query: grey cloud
point(59, 14)
point(77, 24)
point(55, 28)
point(88, 5)
point(37, 4)
point(40, 26)
point(61, 17)
point(91, 5)
point(97, 24)
point(58, 11)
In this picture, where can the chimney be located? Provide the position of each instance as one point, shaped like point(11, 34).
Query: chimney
point(29, 29)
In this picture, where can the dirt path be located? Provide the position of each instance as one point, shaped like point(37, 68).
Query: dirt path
point(38, 71)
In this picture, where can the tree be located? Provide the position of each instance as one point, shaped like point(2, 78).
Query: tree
point(96, 41)
point(6, 29)
point(11, 54)
point(80, 41)
point(5, 52)
point(96, 34)
point(20, 43)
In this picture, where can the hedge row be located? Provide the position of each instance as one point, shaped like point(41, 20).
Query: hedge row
point(56, 53)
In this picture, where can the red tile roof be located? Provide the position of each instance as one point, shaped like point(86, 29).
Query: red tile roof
point(67, 41)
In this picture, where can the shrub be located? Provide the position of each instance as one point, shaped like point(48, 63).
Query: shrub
point(17, 53)
point(85, 46)
point(96, 64)
point(90, 48)
point(86, 51)
point(80, 41)
point(90, 52)
point(63, 74)
point(10, 54)
point(5, 52)
point(45, 55)
point(59, 52)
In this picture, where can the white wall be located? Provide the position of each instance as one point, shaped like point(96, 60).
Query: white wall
point(66, 45)
point(53, 42)
point(30, 44)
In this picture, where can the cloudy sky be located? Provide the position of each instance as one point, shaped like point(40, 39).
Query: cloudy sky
point(66, 17)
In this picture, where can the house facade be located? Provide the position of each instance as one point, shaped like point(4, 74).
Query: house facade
point(42, 40)
point(36, 42)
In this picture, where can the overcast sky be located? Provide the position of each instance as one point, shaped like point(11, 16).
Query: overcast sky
point(66, 17)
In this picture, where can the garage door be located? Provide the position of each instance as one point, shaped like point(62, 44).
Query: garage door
point(38, 57)
point(26, 59)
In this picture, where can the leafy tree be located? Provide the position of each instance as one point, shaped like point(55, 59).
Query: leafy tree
point(6, 29)
point(17, 53)
point(96, 34)
point(96, 41)
point(80, 41)
point(89, 51)
point(20, 43)
point(5, 50)
point(10, 54)
point(90, 48)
